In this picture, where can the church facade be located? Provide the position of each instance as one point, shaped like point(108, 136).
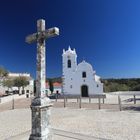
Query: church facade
point(79, 79)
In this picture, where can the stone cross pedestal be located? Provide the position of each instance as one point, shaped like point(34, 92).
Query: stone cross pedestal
point(40, 104)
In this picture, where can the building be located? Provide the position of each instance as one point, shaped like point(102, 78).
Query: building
point(28, 89)
point(79, 79)
point(57, 88)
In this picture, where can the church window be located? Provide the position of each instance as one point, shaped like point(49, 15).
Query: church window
point(97, 85)
point(70, 86)
point(69, 63)
point(84, 74)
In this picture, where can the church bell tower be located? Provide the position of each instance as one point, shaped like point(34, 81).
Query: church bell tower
point(69, 58)
point(69, 61)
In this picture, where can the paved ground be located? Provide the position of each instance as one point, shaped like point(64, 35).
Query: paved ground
point(108, 123)
point(103, 124)
point(11, 97)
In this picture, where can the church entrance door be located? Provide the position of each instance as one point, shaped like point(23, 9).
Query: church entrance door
point(84, 91)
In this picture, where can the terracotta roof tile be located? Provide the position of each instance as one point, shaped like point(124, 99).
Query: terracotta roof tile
point(56, 84)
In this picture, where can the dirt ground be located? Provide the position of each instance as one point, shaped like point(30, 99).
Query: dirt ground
point(71, 103)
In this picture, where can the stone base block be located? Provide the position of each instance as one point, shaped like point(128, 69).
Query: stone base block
point(41, 129)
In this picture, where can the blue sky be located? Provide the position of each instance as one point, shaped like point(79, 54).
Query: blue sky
point(106, 33)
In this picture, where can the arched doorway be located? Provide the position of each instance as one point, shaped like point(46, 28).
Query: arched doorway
point(84, 91)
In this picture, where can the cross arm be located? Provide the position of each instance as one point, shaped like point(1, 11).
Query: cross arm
point(52, 32)
point(44, 34)
point(31, 38)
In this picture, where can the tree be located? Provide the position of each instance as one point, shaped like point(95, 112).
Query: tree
point(21, 82)
point(57, 79)
point(8, 83)
point(3, 74)
point(25, 82)
point(129, 84)
point(51, 86)
point(136, 88)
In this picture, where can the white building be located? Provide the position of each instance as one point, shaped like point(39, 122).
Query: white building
point(79, 79)
point(28, 89)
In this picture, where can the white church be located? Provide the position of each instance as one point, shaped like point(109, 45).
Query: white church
point(79, 79)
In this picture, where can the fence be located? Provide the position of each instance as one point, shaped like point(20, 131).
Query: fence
point(123, 101)
point(79, 99)
point(121, 104)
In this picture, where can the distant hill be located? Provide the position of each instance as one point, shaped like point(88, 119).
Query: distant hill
point(57, 79)
point(131, 84)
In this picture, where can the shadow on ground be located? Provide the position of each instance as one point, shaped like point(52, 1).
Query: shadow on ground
point(133, 108)
point(131, 100)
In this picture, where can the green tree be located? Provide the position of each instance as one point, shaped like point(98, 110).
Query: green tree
point(9, 83)
point(3, 74)
point(21, 82)
point(136, 88)
point(25, 82)
point(51, 86)
point(57, 79)
point(111, 85)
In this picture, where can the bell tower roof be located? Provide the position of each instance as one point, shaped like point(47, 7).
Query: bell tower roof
point(64, 51)
point(69, 51)
point(69, 48)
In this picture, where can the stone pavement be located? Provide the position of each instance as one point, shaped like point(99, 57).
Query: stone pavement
point(58, 135)
point(97, 124)
point(107, 123)
point(15, 125)
point(10, 98)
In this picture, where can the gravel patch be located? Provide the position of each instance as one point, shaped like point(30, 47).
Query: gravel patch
point(14, 122)
point(102, 124)
point(106, 124)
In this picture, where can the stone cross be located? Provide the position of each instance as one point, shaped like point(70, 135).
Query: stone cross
point(40, 38)
point(40, 104)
